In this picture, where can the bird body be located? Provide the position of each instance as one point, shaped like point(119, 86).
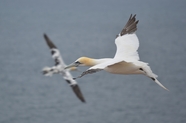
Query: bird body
point(126, 59)
point(123, 68)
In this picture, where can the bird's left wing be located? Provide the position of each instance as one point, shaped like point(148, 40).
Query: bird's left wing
point(127, 42)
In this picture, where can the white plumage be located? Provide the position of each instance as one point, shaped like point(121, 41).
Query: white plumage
point(127, 46)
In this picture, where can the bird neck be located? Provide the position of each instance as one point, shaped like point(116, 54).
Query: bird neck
point(98, 61)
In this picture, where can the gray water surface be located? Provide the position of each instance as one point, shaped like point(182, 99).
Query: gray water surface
point(88, 28)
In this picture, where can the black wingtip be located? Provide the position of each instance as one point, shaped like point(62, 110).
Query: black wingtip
point(131, 16)
point(78, 93)
point(131, 25)
point(48, 41)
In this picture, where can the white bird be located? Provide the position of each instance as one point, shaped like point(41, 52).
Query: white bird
point(59, 69)
point(126, 59)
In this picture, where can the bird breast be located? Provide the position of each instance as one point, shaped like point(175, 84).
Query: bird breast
point(123, 68)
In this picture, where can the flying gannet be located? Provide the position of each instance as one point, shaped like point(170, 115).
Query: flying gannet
point(126, 59)
point(59, 69)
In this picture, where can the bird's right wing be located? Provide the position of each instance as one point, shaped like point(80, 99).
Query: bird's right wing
point(127, 42)
point(69, 79)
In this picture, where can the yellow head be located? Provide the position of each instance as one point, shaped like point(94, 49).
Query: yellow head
point(82, 61)
point(85, 61)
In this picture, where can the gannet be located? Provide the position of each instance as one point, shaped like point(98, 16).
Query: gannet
point(59, 69)
point(126, 59)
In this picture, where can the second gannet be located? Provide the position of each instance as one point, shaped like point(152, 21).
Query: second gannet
point(59, 69)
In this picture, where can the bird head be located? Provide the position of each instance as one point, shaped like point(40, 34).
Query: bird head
point(82, 61)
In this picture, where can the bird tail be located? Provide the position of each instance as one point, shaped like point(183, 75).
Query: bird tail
point(148, 72)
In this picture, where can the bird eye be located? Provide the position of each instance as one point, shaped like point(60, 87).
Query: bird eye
point(77, 62)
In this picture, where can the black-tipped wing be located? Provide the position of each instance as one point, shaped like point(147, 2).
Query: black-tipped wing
point(55, 52)
point(68, 77)
point(127, 42)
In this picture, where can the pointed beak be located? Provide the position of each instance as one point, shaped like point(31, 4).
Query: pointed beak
point(72, 65)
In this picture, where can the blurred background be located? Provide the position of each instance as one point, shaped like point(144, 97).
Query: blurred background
point(88, 28)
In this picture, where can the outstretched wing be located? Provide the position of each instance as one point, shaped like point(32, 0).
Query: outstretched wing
point(55, 52)
point(68, 77)
point(127, 42)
